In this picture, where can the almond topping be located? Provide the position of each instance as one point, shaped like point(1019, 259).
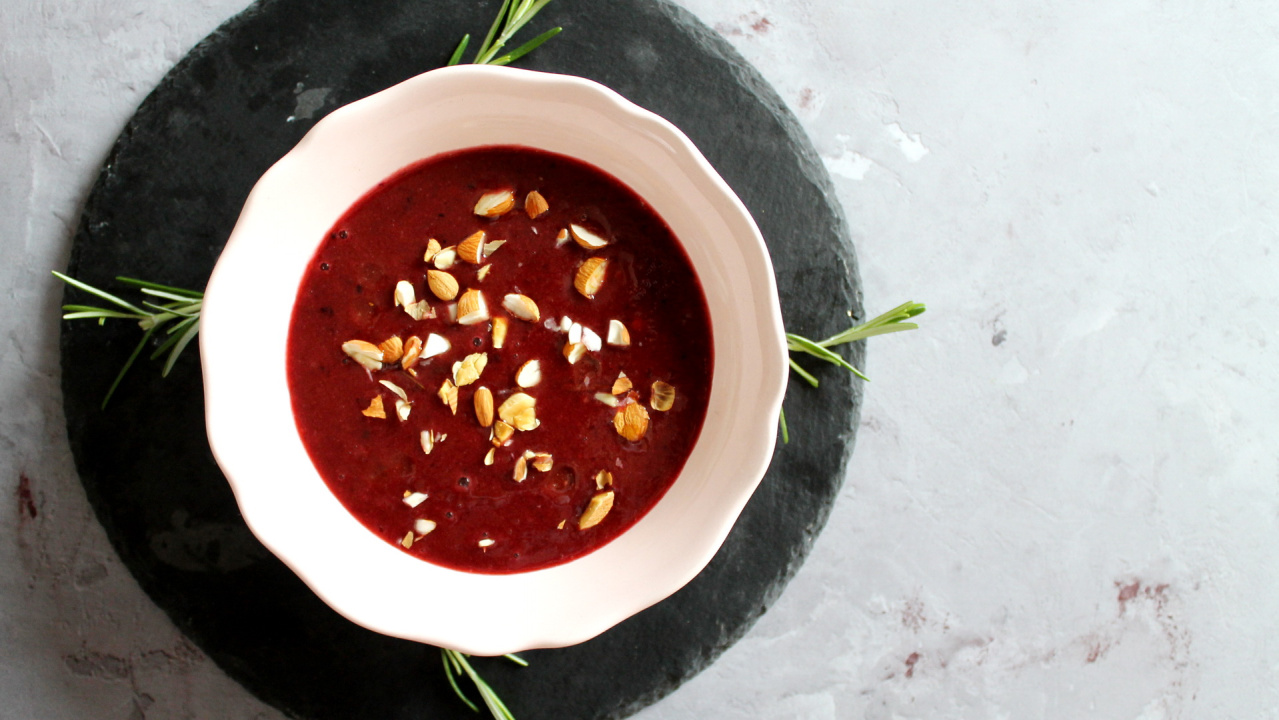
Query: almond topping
point(469, 369)
point(484, 406)
point(574, 352)
point(596, 510)
point(428, 441)
point(442, 284)
point(575, 333)
point(448, 394)
point(392, 349)
point(365, 353)
point(375, 410)
point(445, 258)
point(414, 499)
point(487, 542)
point(472, 248)
point(402, 409)
point(412, 352)
point(483, 273)
point(522, 307)
point(621, 384)
point(519, 411)
point(432, 249)
point(591, 340)
point(663, 396)
point(407, 542)
point(435, 345)
point(535, 205)
point(394, 388)
point(488, 459)
point(404, 294)
point(491, 247)
point(419, 310)
point(561, 239)
point(543, 462)
point(590, 276)
point(499, 332)
point(586, 238)
point(493, 204)
point(560, 526)
point(607, 399)
point(618, 335)
point(521, 469)
point(529, 374)
point(631, 422)
point(422, 526)
point(501, 433)
point(471, 308)
point(603, 479)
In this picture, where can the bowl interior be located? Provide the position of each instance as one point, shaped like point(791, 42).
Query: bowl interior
point(245, 324)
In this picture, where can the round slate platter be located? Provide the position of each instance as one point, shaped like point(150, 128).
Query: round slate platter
point(166, 201)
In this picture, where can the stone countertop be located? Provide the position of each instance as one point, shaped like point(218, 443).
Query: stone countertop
point(1065, 497)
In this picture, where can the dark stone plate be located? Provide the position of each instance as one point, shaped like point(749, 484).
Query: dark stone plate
point(166, 201)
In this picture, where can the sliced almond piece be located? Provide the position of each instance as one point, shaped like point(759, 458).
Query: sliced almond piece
point(394, 388)
point(435, 345)
point(519, 411)
point(469, 369)
point(445, 258)
point(535, 205)
point(560, 526)
point(521, 469)
point(621, 384)
point(495, 203)
point(501, 433)
point(414, 499)
point(471, 308)
point(488, 459)
point(472, 248)
point(631, 422)
point(522, 307)
point(607, 399)
point(486, 542)
point(591, 340)
point(407, 542)
point(663, 396)
point(402, 409)
point(432, 249)
point(574, 352)
point(561, 238)
point(590, 276)
point(484, 406)
point(603, 479)
point(419, 310)
point(482, 273)
point(423, 527)
point(618, 335)
point(366, 354)
point(442, 284)
point(448, 394)
point(575, 333)
point(412, 352)
point(566, 325)
point(529, 374)
point(491, 247)
point(428, 441)
point(375, 409)
point(392, 349)
point(543, 462)
point(404, 294)
point(499, 332)
point(586, 238)
point(595, 511)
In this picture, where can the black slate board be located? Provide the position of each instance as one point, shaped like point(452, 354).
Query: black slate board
point(161, 210)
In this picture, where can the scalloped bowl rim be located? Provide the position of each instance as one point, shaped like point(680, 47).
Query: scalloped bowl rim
point(249, 301)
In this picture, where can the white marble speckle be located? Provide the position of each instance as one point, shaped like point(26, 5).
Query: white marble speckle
point(1065, 497)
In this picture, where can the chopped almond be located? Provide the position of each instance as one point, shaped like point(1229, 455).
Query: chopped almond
point(501, 433)
point(412, 352)
point(432, 249)
point(495, 203)
point(442, 284)
point(435, 345)
point(428, 441)
point(402, 409)
point(618, 335)
point(491, 247)
point(394, 388)
point(499, 332)
point(586, 238)
point(445, 258)
point(471, 308)
point(375, 409)
point(543, 462)
point(366, 354)
point(482, 273)
point(621, 384)
point(529, 374)
point(535, 205)
point(407, 542)
point(603, 479)
point(404, 294)
point(448, 394)
point(521, 469)
point(522, 307)
point(663, 396)
point(519, 411)
point(469, 369)
point(423, 527)
point(413, 499)
point(596, 510)
point(484, 406)
point(488, 459)
point(590, 276)
point(574, 352)
point(607, 399)
point(487, 542)
point(591, 340)
point(419, 310)
point(561, 239)
point(631, 422)
point(472, 248)
point(392, 349)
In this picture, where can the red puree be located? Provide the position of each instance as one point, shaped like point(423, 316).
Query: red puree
point(371, 464)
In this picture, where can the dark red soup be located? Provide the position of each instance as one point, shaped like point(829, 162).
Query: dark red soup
point(504, 402)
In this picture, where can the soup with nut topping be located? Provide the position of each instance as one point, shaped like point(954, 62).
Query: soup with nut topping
point(499, 359)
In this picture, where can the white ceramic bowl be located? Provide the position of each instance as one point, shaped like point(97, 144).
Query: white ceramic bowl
point(245, 324)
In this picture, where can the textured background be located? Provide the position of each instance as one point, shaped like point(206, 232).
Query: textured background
point(1065, 497)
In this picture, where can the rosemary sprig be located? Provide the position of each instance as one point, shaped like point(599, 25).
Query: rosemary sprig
point(513, 16)
point(455, 664)
point(894, 320)
point(181, 315)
